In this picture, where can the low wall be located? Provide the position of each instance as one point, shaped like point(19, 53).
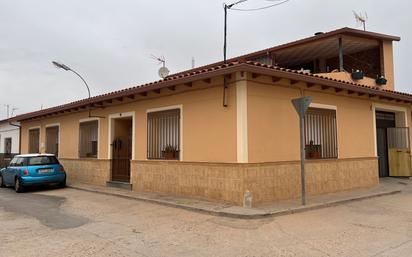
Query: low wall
point(267, 181)
point(90, 171)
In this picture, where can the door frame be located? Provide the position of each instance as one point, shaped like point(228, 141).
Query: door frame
point(401, 118)
point(111, 119)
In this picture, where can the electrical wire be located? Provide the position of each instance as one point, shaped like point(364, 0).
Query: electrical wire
point(259, 8)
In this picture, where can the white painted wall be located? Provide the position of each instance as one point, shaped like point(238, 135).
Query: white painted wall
point(7, 130)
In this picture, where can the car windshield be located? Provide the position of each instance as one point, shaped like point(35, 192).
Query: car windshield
point(42, 160)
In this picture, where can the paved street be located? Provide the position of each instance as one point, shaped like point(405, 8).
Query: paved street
point(69, 222)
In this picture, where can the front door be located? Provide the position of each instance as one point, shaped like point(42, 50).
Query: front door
point(384, 120)
point(121, 150)
point(382, 152)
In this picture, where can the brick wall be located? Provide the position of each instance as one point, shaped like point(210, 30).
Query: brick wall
point(267, 182)
point(90, 171)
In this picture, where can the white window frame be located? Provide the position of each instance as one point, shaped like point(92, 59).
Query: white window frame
point(166, 108)
point(98, 136)
point(335, 108)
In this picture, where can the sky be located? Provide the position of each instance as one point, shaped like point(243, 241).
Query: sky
point(110, 42)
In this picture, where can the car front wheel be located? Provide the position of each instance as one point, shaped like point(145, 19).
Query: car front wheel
point(1, 181)
point(18, 186)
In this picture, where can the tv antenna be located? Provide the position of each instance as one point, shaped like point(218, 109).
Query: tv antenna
point(163, 71)
point(361, 19)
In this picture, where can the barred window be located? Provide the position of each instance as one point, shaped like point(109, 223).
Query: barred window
point(163, 134)
point(88, 139)
point(52, 140)
point(34, 139)
point(320, 134)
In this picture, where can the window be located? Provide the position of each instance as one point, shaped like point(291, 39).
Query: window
point(88, 139)
point(7, 146)
point(17, 162)
point(41, 160)
point(34, 139)
point(163, 134)
point(320, 134)
point(52, 140)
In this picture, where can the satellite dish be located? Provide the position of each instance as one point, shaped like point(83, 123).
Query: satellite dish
point(163, 72)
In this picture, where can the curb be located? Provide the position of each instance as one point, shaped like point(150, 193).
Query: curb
point(223, 213)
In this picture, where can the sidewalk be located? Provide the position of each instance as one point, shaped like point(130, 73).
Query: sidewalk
point(387, 186)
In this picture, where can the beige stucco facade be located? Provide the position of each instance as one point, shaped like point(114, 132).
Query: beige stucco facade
point(209, 129)
point(252, 144)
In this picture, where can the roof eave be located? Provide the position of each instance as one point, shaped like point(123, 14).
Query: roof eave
point(246, 67)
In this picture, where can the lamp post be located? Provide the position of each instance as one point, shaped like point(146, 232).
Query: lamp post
point(67, 68)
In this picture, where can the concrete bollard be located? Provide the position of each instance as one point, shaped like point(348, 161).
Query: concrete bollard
point(247, 199)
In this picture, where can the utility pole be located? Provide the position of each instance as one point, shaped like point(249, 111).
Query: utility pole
point(225, 8)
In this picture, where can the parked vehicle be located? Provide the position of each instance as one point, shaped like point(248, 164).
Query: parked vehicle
point(32, 169)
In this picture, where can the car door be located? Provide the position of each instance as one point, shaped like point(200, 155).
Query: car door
point(7, 172)
point(14, 169)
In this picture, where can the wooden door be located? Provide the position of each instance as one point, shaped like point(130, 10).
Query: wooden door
point(52, 140)
point(120, 162)
point(34, 141)
point(399, 152)
point(121, 150)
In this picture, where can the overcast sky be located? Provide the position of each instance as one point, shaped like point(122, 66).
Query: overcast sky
point(110, 42)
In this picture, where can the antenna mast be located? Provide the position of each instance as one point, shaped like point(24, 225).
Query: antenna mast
point(163, 71)
point(361, 19)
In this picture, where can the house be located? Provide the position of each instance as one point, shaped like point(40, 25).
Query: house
point(9, 140)
point(220, 130)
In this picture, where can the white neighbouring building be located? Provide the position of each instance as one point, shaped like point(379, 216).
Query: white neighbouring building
point(9, 139)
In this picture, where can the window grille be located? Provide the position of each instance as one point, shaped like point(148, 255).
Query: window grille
point(88, 139)
point(163, 134)
point(34, 140)
point(320, 134)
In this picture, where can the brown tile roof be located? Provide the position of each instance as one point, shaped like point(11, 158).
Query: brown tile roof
point(199, 74)
point(8, 120)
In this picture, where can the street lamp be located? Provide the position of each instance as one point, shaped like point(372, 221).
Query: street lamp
point(67, 68)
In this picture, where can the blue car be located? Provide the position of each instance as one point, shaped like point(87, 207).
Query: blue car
point(32, 169)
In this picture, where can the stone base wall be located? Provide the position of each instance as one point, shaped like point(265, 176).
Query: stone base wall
point(267, 181)
point(90, 171)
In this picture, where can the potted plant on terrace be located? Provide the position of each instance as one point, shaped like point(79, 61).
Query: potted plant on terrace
point(381, 80)
point(170, 152)
point(357, 74)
